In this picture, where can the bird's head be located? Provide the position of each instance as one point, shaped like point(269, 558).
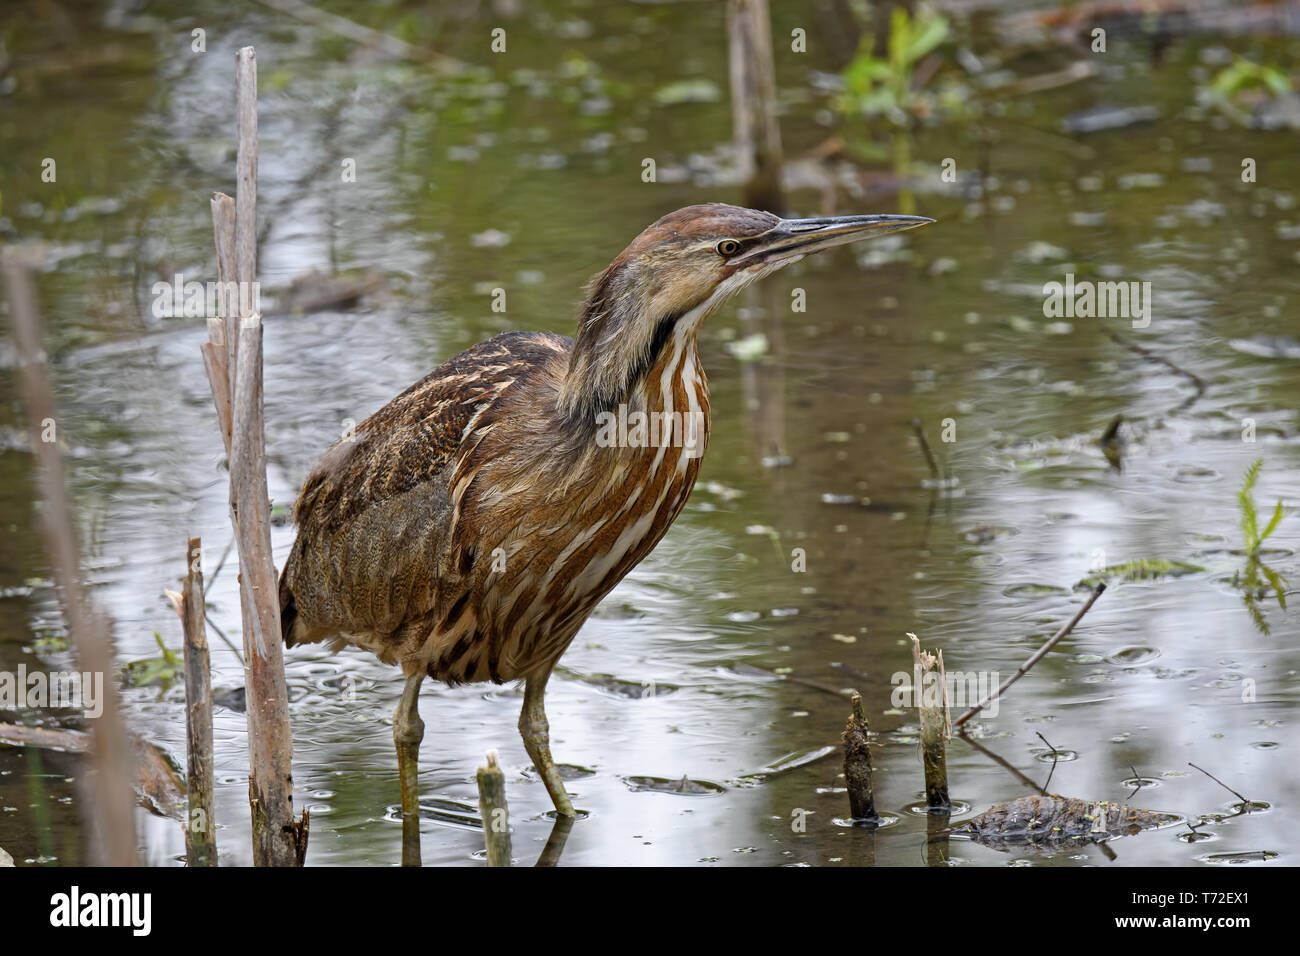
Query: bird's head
point(678, 272)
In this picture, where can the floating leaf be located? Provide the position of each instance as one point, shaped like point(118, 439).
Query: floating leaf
point(1145, 569)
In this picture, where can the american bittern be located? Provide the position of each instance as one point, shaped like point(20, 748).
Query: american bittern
point(469, 527)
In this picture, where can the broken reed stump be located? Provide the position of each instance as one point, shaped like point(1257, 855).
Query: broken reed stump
point(753, 104)
point(857, 764)
point(232, 358)
point(1034, 658)
point(931, 690)
point(200, 824)
point(496, 815)
point(276, 837)
point(106, 792)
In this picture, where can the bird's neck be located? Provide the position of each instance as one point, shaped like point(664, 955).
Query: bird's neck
point(659, 385)
point(674, 380)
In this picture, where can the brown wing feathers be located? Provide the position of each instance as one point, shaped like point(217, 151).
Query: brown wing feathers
point(373, 514)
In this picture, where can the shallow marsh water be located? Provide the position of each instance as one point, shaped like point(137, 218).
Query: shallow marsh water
point(714, 660)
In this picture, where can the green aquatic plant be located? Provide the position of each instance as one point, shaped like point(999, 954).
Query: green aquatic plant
point(1243, 85)
point(1250, 516)
point(886, 87)
point(154, 670)
point(883, 86)
point(1256, 579)
point(1245, 77)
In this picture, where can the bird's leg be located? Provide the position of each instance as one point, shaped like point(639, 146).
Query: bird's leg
point(536, 732)
point(408, 731)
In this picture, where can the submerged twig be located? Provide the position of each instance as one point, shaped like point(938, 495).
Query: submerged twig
point(221, 563)
point(1056, 755)
point(1110, 443)
point(1219, 782)
point(1002, 762)
point(1137, 782)
point(224, 639)
point(1198, 383)
point(1037, 656)
point(919, 429)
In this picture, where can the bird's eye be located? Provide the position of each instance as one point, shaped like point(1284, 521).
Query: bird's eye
point(728, 247)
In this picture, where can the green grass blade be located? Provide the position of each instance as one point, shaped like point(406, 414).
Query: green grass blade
point(1273, 522)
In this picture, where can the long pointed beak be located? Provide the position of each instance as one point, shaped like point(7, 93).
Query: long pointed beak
point(792, 239)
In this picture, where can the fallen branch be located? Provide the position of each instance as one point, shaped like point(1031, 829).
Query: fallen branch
point(157, 785)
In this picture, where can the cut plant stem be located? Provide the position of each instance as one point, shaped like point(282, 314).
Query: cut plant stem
point(200, 824)
point(930, 685)
point(495, 813)
point(1037, 656)
point(857, 763)
point(232, 357)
